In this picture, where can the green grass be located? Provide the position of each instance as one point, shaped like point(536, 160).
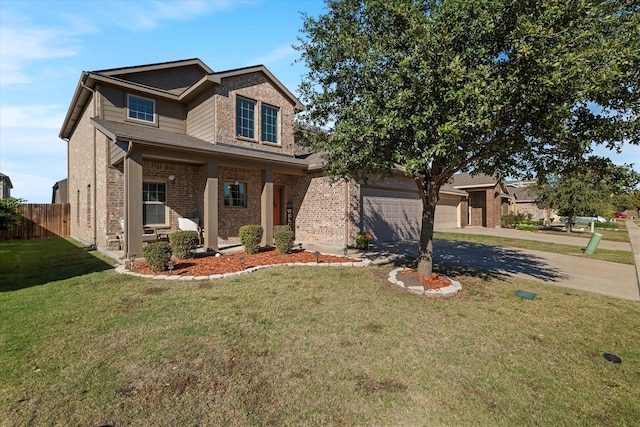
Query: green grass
point(306, 346)
point(623, 257)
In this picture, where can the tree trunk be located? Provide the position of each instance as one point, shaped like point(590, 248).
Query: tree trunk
point(430, 195)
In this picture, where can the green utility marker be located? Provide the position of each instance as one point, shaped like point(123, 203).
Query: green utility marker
point(526, 295)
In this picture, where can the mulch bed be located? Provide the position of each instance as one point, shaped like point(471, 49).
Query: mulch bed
point(411, 278)
point(208, 265)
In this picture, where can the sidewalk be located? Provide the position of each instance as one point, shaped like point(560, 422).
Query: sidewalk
point(607, 278)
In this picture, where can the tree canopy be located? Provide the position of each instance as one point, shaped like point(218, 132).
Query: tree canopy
point(507, 87)
point(591, 187)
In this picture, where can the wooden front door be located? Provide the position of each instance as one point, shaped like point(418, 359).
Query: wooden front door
point(277, 205)
point(477, 208)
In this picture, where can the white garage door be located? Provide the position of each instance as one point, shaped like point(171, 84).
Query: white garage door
point(391, 215)
point(446, 213)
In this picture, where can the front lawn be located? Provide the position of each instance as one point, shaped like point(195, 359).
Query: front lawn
point(306, 346)
point(623, 257)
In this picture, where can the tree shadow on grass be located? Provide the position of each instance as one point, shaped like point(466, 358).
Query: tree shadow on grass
point(26, 263)
point(473, 259)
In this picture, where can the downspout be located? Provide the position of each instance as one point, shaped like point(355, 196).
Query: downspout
point(94, 190)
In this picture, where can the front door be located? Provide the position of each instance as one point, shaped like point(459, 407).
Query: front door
point(277, 205)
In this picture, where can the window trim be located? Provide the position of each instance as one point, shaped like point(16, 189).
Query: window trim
point(253, 119)
point(229, 184)
point(276, 133)
point(166, 208)
point(138, 120)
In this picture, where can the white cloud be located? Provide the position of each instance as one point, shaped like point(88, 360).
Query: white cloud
point(278, 54)
point(22, 43)
point(32, 116)
point(148, 15)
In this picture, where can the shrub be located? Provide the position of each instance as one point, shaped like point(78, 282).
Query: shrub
point(9, 218)
point(157, 255)
point(250, 237)
point(183, 243)
point(606, 225)
point(284, 240)
point(363, 239)
point(511, 220)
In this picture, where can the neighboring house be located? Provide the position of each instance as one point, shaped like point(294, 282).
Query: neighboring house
point(150, 144)
point(525, 201)
point(489, 198)
point(60, 193)
point(5, 186)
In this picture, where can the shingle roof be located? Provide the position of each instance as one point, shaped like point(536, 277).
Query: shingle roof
point(118, 131)
point(466, 180)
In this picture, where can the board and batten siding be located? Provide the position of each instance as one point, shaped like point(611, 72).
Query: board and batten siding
point(171, 115)
point(201, 116)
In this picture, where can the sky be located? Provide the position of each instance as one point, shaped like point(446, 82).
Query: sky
point(45, 45)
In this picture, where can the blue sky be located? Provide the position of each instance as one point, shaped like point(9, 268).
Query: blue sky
point(46, 44)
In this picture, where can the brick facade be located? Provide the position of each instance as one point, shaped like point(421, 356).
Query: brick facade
point(320, 210)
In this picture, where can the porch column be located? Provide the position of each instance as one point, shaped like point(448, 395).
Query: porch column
point(210, 221)
point(133, 204)
point(266, 208)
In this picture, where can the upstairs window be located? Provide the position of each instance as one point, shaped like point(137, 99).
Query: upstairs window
point(141, 109)
point(235, 194)
point(245, 118)
point(154, 198)
point(269, 124)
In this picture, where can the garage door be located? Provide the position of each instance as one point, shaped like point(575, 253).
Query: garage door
point(391, 215)
point(446, 213)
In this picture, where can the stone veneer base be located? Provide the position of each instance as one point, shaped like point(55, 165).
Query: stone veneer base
point(445, 292)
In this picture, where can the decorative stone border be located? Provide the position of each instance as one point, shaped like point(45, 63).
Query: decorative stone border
point(122, 269)
point(445, 292)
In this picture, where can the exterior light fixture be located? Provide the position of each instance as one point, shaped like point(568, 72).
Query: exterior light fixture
point(345, 250)
point(317, 255)
point(170, 266)
point(132, 260)
point(242, 262)
point(236, 182)
point(172, 177)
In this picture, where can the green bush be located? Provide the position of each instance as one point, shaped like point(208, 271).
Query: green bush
point(511, 220)
point(183, 243)
point(606, 225)
point(250, 237)
point(284, 240)
point(9, 218)
point(363, 239)
point(157, 255)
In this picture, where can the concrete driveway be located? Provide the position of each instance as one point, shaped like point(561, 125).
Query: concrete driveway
point(576, 272)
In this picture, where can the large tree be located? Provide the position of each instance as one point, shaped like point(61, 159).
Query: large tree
point(589, 187)
point(444, 86)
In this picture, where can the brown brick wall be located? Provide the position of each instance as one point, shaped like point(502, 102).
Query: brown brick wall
point(257, 87)
point(80, 164)
point(319, 209)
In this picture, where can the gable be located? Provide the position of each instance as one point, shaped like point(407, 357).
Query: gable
point(173, 80)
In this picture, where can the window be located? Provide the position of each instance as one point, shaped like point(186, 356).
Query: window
point(154, 196)
point(269, 124)
point(245, 121)
point(141, 109)
point(235, 194)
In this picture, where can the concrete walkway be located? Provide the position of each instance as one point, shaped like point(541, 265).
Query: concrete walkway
point(576, 272)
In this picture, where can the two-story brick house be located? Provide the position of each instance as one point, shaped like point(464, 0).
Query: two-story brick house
point(150, 144)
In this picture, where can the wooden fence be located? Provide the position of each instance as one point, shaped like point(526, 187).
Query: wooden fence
point(41, 221)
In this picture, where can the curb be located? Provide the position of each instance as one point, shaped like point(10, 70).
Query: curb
point(445, 292)
point(122, 269)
